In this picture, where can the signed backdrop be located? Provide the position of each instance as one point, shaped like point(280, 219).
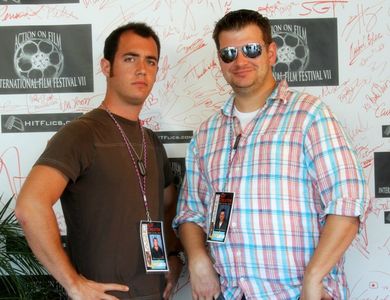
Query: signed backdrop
point(337, 50)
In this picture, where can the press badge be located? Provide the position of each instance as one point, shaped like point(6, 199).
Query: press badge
point(153, 246)
point(220, 217)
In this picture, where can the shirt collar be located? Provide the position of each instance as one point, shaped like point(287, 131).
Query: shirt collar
point(281, 92)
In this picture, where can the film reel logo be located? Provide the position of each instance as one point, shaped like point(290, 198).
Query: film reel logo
point(38, 58)
point(293, 52)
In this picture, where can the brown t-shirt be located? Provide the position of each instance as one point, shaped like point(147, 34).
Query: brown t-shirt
point(103, 203)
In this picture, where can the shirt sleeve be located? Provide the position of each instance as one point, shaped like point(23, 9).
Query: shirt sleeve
point(194, 195)
point(333, 165)
point(70, 150)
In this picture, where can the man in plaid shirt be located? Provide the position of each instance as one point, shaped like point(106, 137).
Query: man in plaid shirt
point(299, 192)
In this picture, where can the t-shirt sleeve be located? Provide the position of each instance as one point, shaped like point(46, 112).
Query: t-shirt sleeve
point(70, 150)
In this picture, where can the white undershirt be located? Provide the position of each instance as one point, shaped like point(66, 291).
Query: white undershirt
point(244, 117)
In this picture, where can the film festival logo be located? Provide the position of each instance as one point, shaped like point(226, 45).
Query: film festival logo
point(298, 62)
point(43, 59)
point(38, 58)
point(293, 51)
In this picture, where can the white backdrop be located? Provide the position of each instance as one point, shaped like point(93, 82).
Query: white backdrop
point(190, 87)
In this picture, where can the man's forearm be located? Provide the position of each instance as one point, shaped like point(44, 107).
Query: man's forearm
point(193, 240)
point(34, 210)
point(337, 235)
point(42, 233)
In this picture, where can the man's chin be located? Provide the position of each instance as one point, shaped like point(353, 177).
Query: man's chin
point(241, 87)
point(138, 99)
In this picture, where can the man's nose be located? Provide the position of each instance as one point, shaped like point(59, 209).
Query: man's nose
point(241, 58)
point(141, 67)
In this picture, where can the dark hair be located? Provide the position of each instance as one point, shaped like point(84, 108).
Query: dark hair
point(238, 19)
point(112, 41)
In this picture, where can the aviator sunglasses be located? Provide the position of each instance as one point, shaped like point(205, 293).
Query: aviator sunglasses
point(229, 54)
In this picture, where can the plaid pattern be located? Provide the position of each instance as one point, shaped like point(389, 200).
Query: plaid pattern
point(292, 167)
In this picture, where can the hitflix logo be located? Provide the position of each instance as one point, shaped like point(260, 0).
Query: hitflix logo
point(35, 122)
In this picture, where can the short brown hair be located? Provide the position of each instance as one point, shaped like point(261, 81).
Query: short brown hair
point(112, 41)
point(238, 19)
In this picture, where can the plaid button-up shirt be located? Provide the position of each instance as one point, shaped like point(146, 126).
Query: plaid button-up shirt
point(293, 166)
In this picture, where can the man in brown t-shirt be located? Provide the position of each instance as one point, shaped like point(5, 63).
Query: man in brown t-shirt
point(110, 173)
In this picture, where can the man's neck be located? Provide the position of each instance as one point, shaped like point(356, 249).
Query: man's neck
point(127, 111)
point(252, 101)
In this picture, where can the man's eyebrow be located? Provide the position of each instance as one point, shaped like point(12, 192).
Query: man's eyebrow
point(151, 57)
point(130, 54)
point(138, 55)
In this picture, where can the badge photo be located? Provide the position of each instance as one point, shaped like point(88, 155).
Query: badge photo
point(220, 217)
point(153, 246)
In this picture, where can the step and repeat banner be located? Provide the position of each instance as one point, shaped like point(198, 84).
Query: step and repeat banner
point(50, 52)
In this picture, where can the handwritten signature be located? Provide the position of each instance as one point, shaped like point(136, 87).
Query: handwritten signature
point(42, 11)
point(377, 91)
point(9, 162)
point(277, 8)
point(363, 45)
point(363, 21)
point(28, 13)
point(321, 6)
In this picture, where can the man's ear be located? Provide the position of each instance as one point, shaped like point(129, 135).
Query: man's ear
point(105, 66)
point(272, 53)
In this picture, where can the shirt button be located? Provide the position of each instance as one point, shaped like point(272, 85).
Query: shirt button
point(242, 279)
point(234, 224)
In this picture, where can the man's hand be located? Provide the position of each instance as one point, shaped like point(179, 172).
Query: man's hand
point(313, 290)
point(204, 279)
point(336, 236)
point(90, 290)
point(175, 267)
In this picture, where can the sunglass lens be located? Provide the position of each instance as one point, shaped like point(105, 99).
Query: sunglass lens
point(228, 54)
point(252, 50)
